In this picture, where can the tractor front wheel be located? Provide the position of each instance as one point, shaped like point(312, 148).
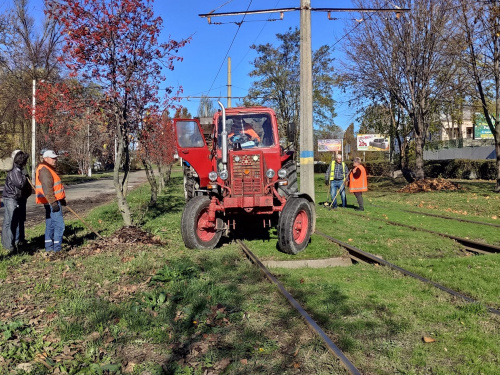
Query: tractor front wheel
point(196, 230)
point(295, 226)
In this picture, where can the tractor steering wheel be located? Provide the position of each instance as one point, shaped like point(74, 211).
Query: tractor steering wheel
point(240, 138)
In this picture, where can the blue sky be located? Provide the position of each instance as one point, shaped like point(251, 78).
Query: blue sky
point(204, 69)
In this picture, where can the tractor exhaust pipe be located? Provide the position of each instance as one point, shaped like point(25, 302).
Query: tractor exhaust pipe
point(224, 136)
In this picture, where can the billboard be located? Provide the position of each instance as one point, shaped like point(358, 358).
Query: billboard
point(330, 145)
point(373, 142)
point(481, 128)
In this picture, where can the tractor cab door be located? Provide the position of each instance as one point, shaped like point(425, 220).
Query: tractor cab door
point(191, 146)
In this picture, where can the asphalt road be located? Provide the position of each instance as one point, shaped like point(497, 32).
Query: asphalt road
point(76, 193)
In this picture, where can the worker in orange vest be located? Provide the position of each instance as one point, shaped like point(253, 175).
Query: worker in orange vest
point(358, 182)
point(49, 191)
point(244, 129)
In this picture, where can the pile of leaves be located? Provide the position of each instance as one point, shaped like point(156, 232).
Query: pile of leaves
point(122, 239)
point(429, 184)
point(134, 234)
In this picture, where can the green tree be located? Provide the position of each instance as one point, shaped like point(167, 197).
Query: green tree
point(277, 85)
point(481, 57)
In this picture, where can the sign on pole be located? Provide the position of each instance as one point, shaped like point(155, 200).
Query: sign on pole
point(481, 128)
point(373, 142)
point(330, 145)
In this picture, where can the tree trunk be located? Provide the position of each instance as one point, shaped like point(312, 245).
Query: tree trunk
point(497, 150)
point(121, 186)
point(419, 147)
point(150, 174)
point(168, 173)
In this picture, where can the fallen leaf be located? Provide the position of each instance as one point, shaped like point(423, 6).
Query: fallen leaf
point(244, 361)
point(428, 339)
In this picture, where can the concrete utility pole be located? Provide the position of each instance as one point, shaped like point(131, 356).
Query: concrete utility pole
point(229, 82)
point(306, 108)
point(33, 135)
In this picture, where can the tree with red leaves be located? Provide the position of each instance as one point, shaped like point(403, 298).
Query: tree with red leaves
point(115, 42)
point(68, 115)
point(158, 147)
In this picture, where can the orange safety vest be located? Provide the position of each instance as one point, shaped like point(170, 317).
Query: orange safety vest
point(58, 186)
point(358, 184)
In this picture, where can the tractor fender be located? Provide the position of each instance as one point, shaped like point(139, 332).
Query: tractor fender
point(311, 203)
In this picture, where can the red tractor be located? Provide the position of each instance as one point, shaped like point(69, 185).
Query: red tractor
point(245, 172)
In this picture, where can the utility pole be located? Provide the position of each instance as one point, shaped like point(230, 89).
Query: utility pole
point(306, 109)
point(229, 82)
point(33, 135)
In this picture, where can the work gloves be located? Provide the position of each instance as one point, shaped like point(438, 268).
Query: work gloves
point(63, 202)
point(55, 207)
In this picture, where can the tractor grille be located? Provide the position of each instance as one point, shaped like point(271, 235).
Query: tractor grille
point(247, 175)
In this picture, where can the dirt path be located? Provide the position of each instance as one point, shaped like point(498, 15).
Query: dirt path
point(81, 198)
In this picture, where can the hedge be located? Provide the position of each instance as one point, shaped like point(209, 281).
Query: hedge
point(455, 168)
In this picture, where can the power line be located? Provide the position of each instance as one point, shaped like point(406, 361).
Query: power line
point(231, 45)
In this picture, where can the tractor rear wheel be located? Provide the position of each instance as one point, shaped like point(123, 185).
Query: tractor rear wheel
point(191, 183)
point(195, 229)
point(295, 226)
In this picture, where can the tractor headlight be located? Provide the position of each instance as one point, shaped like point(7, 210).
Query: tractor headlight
point(212, 176)
point(282, 173)
point(223, 175)
point(270, 173)
point(236, 159)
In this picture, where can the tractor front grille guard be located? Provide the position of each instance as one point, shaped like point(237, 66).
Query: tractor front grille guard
point(247, 176)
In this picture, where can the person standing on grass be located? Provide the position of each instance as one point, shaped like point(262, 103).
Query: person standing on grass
point(15, 194)
point(336, 175)
point(50, 192)
point(358, 182)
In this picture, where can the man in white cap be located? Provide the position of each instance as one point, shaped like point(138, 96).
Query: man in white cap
point(50, 192)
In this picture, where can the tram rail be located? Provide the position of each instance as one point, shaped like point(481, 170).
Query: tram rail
point(296, 305)
point(470, 245)
point(363, 256)
point(444, 217)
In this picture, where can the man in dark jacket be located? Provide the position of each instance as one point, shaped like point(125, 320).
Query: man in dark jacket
point(15, 194)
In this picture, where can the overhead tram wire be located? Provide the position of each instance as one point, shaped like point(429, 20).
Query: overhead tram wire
point(359, 23)
point(229, 49)
point(283, 10)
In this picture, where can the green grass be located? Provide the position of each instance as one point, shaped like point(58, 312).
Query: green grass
point(170, 310)
point(380, 317)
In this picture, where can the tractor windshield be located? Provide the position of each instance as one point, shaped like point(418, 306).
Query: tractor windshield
point(247, 130)
point(189, 135)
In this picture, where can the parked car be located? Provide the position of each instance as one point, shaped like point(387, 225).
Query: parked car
point(379, 143)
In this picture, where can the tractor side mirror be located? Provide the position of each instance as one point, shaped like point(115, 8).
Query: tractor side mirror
point(291, 132)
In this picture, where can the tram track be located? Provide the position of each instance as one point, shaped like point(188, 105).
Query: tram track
point(316, 329)
point(443, 216)
point(470, 245)
point(363, 256)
